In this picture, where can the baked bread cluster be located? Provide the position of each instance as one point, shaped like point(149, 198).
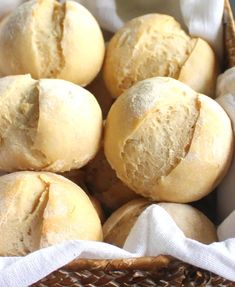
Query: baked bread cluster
point(153, 137)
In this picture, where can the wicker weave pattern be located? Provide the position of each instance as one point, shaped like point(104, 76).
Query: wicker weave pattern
point(175, 274)
point(159, 271)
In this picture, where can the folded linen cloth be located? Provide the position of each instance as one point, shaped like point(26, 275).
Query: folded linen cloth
point(225, 92)
point(7, 6)
point(202, 18)
point(226, 229)
point(151, 235)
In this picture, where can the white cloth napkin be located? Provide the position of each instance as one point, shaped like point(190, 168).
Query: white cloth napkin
point(156, 233)
point(153, 234)
point(225, 92)
point(202, 18)
point(7, 6)
point(226, 230)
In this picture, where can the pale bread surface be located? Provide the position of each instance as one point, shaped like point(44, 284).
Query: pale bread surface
point(167, 142)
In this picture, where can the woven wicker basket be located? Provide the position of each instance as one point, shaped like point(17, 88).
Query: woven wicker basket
point(145, 271)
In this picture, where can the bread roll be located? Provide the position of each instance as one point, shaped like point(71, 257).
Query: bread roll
point(52, 40)
point(192, 222)
point(40, 209)
point(155, 45)
point(166, 142)
point(47, 124)
point(78, 176)
point(103, 183)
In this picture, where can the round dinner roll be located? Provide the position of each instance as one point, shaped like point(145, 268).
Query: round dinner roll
point(40, 209)
point(167, 142)
point(155, 45)
point(47, 124)
point(52, 40)
point(78, 176)
point(103, 183)
point(192, 222)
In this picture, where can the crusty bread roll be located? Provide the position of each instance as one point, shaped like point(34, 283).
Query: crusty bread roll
point(39, 209)
point(119, 224)
point(103, 183)
point(48, 124)
point(155, 45)
point(192, 222)
point(52, 40)
point(78, 176)
point(166, 142)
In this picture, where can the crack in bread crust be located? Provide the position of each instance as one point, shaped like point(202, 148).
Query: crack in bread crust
point(48, 30)
point(19, 125)
point(27, 227)
point(147, 159)
point(35, 217)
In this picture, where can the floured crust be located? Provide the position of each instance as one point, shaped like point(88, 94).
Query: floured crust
point(39, 209)
point(48, 124)
point(203, 63)
point(52, 40)
point(192, 222)
point(47, 36)
point(174, 144)
point(155, 45)
point(119, 224)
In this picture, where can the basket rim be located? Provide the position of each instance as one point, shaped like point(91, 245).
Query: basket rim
point(143, 263)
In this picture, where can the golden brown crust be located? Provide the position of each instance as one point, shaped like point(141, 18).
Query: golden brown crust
point(52, 40)
point(192, 222)
point(180, 143)
point(202, 61)
point(39, 209)
point(49, 124)
point(155, 45)
point(118, 225)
